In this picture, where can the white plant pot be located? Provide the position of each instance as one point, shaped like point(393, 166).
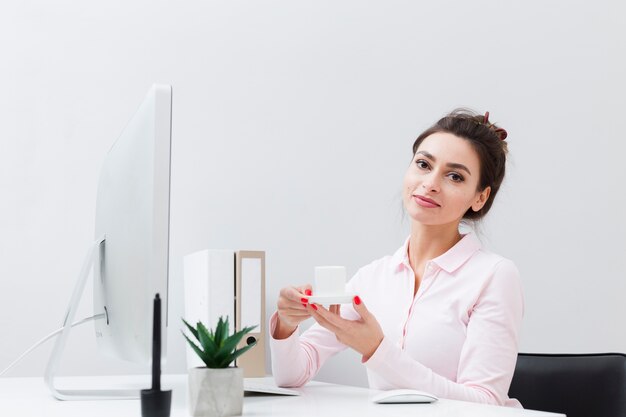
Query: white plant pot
point(215, 392)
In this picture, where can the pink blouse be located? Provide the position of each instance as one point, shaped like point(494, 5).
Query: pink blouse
point(457, 338)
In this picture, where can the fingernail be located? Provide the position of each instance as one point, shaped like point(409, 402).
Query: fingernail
point(313, 306)
point(357, 300)
point(304, 300)
point(303, 305)
point(308, 292)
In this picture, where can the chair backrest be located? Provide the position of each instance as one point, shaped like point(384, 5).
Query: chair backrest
point(579, 385)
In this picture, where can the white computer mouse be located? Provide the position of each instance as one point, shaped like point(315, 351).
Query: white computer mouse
point(403, 396)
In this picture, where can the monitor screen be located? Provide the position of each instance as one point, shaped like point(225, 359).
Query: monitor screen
point(132, 226)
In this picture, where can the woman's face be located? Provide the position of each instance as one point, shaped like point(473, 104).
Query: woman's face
point(441, 183)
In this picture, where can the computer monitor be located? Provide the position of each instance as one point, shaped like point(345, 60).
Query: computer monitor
point(132, 221)
point(131, 250)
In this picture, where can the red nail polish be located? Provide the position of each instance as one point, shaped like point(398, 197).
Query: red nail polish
point(304, 300)
point(303, 305)
point(308, 292)
point(313, 306)
point(357, 300)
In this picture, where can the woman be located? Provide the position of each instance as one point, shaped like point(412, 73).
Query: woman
point(442, 314)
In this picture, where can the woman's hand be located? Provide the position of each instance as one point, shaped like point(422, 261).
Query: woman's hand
point(292, 310)
point(363, 335)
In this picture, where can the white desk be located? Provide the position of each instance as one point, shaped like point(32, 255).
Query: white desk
point(30, 397)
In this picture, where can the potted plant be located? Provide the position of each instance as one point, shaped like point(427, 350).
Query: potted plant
point(217, 389)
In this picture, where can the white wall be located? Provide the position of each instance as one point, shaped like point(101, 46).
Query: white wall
point(292, 127)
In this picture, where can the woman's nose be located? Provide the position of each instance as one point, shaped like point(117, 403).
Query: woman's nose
point(431, 184)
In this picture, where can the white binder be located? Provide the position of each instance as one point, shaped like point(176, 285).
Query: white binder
point(209, 291)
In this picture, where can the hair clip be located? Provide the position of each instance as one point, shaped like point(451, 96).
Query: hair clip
point(501, 133)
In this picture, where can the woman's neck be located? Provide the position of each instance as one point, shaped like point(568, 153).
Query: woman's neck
point(429, 242)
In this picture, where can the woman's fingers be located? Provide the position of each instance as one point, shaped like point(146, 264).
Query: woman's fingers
point(360, 308)
point(292, 294)
point(306, 289)
point(325, 318)
point(297, 311)
point(363, 335)
point(291, 297)
point(292, 302)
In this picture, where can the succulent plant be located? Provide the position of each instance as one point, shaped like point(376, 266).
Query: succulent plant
point(216, 348)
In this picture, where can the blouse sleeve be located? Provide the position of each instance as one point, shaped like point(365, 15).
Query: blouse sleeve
point(488, 355)
point(298, 358)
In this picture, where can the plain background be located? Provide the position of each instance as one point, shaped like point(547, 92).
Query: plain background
point(292, 128)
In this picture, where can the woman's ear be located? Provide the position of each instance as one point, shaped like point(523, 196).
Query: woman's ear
point(481, 199)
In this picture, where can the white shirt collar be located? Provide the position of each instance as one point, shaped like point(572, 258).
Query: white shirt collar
point(450, 260)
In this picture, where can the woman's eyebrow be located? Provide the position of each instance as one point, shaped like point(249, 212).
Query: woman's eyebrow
point(427, 155)
point(449, 164)
point(459, 166)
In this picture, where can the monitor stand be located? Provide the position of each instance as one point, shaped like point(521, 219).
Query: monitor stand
point(92, 258)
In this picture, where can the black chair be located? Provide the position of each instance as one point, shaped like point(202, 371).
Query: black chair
point(579, 385)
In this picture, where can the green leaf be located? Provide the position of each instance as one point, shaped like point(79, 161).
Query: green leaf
point(224, 355)
point(196, 349)
point(218, 332)
point(225, 331)
point(193, 331)
point(238, 353)
point(206, 340)
point(210, 363)
point(243, 350)
point(231, 343)
point(248, 329)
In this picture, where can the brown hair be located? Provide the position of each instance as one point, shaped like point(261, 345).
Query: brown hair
point(487, 139)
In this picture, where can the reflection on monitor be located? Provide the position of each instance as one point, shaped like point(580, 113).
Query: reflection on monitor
point(131, 251)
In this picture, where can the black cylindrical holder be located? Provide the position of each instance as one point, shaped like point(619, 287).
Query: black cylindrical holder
point(155, 403)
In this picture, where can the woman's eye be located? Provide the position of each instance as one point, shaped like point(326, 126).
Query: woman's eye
point(422, 164)
point(456, 177)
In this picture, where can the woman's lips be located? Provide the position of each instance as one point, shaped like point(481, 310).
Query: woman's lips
point(425, 201)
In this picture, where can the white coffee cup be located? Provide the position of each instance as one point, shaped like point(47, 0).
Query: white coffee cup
point(329, 281)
